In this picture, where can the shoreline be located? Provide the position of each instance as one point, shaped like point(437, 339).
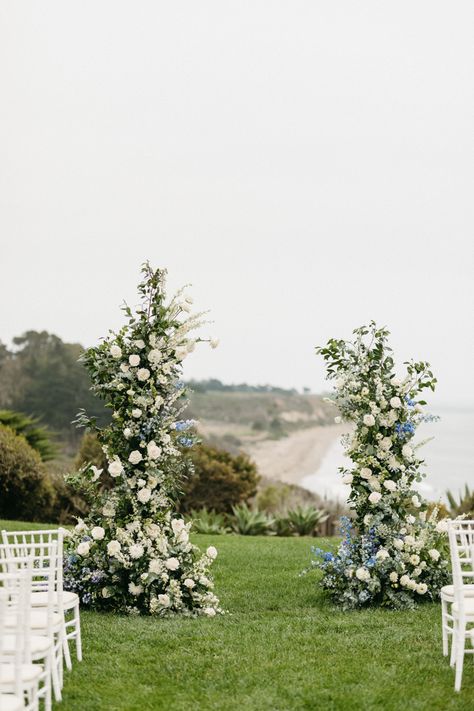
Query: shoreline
point(293, 458)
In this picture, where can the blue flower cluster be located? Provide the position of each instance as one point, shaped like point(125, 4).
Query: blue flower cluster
point(405, 429)
point(186, 441)
point(183, 425)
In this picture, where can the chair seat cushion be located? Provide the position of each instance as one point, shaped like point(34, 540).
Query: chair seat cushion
point(8, 702)
point(40, 599)
point(29, 672)
point(38, 620)
point(38, 644)
point(447, 591)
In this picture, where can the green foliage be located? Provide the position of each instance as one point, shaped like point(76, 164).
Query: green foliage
point(249, 522)
point(43, 378)
point(90, 452)
point(37, 437)
point(465, 504)
point(304, 520)
point(26, 490)
point(208, 522)
point(219, 481)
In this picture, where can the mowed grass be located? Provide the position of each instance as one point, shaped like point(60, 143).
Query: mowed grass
point(280, 646)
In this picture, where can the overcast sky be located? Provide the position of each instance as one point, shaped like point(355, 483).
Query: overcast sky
point(307, 165)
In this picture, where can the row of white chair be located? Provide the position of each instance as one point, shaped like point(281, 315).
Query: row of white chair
point(457, 600)
point(38, 618)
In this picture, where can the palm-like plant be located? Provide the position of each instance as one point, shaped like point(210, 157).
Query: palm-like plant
point(38, 437)
point(465, 505)
point(208, 522)
point(249, 522)
point(304, 520)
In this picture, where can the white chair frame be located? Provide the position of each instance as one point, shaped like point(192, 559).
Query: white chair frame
point(68, 602)
point(461, 544)
point(19, 677)
point(46, 624)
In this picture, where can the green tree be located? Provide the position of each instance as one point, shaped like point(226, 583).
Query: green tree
point(218, 480)
point(37, 437)
point(26, 492)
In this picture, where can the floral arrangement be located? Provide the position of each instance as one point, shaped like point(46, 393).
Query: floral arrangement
point(391, 552)
point(132, 553)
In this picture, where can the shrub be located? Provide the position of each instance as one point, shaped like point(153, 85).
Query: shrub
point(249, 522)
point(218, 480)
point(208, 522)
point(304, 520)
point(26, 490)
point(39, 438)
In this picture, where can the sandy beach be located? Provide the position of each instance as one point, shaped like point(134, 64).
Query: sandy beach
point(297, 456)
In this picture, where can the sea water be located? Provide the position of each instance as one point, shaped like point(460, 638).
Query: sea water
point(449, 459)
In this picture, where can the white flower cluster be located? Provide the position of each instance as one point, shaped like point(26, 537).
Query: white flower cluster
point(131, 547)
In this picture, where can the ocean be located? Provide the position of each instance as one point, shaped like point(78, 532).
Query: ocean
point(449, 459)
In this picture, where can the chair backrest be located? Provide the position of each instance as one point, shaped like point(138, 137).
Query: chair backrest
point(461, 546)
point(15, 602)
point(44, 537)
point(43, 560)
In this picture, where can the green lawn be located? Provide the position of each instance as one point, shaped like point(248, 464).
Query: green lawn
point(280, 647)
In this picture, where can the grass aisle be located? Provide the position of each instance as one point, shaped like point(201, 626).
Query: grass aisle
point(281, 647)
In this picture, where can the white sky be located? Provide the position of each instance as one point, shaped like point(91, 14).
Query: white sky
point(307, 165)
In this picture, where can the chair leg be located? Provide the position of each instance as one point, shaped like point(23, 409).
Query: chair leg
point(454, 641)
point(77, 620)
point(444, 624)
point(66, 652)
point(55, 674)
point(460, 644)
point(48, 669)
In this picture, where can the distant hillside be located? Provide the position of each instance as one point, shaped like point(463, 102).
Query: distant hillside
point(236, 416)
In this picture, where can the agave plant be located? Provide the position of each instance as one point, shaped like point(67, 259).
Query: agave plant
point(465, 505)
point(304, 520)
point(250, 522)
point(282, 526)
point(208, 522)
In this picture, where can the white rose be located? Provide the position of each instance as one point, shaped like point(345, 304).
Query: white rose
point(418, 408)
point(144, 495)
point(155, 566)
point(143, 374)
point(113, 547)
point(366, 473)
point(80, 526)
point(98, 533)
point(177, 524)
point(374, 484)
point(134, 360)
point(362, 574)
point(135, 457)
point(407, 451)
point(108, 510)
point(135, 589)
point(404, 580)
point(347, 478)
point(127, 433)
point(398, 543)
point(421, 588)
point(338, 420)
point(412, 585)
point(441, 526)
point(139, 344)
point(106, 592)
point(375, 497)
point(390, 485)
point(434, 554)
point(115, 351)
point(83, 548)
point(212, 552)
point(416, 501)
point(395, 402)
point(172, 563)
point(181, 353)
point(369, 420)
point(136, 551)
point(382, 554)
point(396, 382)
point(386, 443)
point(153, 450)
point(164, 600)
point(154, 356)
point(189, 583)
point(393, 577)
point(209, 611)
point(136, 412)
point(411, 519)
point(115, 467)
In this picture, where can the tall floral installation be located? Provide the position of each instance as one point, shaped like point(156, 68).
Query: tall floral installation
point(132, 553)
point(391, 553)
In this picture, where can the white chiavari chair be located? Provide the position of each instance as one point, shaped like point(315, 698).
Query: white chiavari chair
point(46, 624)
point(19, 676)
point(67, 601)
point(461, 545)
